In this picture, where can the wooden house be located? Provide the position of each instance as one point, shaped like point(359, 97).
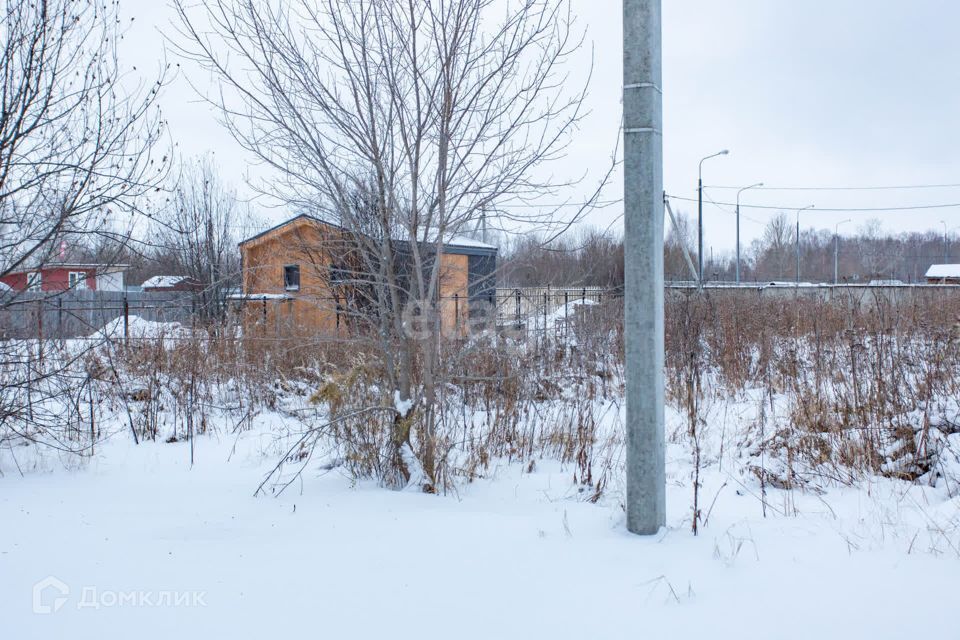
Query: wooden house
point(306, 277)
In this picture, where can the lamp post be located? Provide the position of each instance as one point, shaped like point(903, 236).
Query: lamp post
point(700, 212)
point(836, 249)
point(759, 184)
point(798, 239)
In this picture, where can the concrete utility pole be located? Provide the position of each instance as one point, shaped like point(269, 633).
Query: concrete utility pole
point(643, 286)
point(798, 239)
point(836, 250)
point(700, 211)
point(759, 184)
point(946, 244)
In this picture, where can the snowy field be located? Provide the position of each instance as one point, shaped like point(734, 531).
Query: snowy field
point(149, 548)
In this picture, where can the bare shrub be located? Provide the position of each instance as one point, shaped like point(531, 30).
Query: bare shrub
point(843, 389)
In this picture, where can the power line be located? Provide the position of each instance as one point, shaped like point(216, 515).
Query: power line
point(537, 205)
point(732, 212)
point(866, 188)
point(949, 205)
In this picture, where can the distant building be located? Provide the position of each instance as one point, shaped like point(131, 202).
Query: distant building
point(171, 283)
point(306, 274)
point(943, 274)
point(67, 276)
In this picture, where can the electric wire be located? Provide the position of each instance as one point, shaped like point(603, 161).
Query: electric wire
point(947, 205)
point(906, 187)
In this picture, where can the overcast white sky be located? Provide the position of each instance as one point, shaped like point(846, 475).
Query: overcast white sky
point(812, 93)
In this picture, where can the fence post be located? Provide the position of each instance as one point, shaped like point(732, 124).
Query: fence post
point(40, 331)
point(60, 317)
point(93, 419)
point(126, 320)
point(517, 294)
point(190, 392)
point(456, 314)
point(546, 310)
point(336, 310)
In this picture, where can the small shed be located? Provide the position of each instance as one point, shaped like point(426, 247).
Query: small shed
point(171, 283)
point(943, 274)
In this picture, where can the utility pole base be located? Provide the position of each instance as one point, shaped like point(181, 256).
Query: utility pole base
point(643, 261)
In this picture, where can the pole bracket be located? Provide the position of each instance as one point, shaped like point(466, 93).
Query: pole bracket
point(643, 85)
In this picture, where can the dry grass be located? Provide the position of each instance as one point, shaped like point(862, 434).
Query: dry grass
point(847, 387)
point(842, 389)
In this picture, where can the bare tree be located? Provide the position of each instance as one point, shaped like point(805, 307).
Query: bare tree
point(772, 250)
point(679, 239)
point(435, 111)
point(196, 233)
point(582, 257)
point(875, 258)
point(77, 151)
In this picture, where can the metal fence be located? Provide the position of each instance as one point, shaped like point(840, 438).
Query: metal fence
point(80, 313)
point(532, 307)
point(75, 313)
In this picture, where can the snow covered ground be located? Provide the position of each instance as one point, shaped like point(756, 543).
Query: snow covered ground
point(149, 548)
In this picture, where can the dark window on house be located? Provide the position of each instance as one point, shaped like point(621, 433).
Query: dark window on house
point(291, 277)
point(339, 275)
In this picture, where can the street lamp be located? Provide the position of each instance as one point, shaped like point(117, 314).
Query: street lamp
point(798, 238)
point(836, 249)
point(700, 212)
point(759, 184)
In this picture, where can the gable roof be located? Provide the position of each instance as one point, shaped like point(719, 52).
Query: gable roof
point(943, 271)
point(163, 281)
point(456, 244)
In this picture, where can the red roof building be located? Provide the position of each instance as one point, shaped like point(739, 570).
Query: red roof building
point(63, 277)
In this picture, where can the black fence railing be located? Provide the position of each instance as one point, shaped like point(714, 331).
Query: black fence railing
point(540, 307)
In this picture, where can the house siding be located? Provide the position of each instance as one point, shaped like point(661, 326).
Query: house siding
point(16, 281)
point(454, 293)
point(309, 309)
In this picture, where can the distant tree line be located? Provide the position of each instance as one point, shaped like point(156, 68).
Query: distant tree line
point(586, 257)
point(593, 257)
